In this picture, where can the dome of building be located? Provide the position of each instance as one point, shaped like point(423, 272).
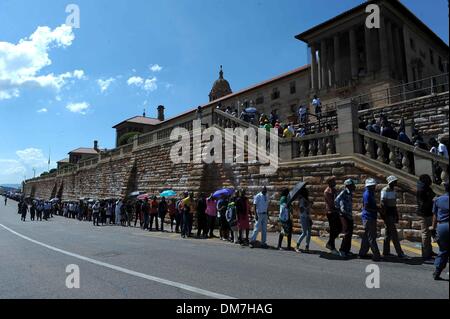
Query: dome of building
point(220, 88)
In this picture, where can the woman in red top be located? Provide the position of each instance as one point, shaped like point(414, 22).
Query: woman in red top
point(154, 213)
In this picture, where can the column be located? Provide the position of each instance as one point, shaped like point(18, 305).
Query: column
point(384, 51)
point(337, 60)
point(353, 53)
point(369, 52)
point(390, 42)
point(314, 75)
point(398, 53)
point(323, 64)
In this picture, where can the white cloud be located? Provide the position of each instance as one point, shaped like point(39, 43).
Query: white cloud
point(156, 68)
point(78, 107)
point(32, 157)
point(145, 84)
point(135, 80)
point(11, 167)
point(104, 84)
point(21, 63)
point(43, 110)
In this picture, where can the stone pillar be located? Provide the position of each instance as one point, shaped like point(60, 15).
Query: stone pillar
point(314, 73)
point(370, 56)
point(324, 81)
point(347, 142)
point(390, 46)
point(398, 53)
point(337, 60)
point(353, 53)
point(384, 50)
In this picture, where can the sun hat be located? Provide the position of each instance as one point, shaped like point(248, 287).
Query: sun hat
point(391, 179)
point(370, 182)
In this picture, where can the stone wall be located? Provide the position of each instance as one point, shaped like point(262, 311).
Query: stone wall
point(150, 170)
point(429, 114)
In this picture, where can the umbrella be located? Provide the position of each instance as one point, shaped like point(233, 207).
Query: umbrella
point(143, 196)
point(293, 194)
point(134, 194)
point(251, 110)
point(224, 192)
point(168, 193)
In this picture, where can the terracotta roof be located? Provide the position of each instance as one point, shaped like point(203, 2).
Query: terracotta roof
point(140, 120)
point(396, 4)
point(248, 89)
point(66, 160)
point(84, 150)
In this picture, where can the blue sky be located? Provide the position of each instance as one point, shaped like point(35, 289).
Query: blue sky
point(142, 53)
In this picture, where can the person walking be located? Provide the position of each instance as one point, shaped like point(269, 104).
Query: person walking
point(305, 220)
point(334, 220)
point(23, 211)
point(285, 219)
point(369, 219)
point(96, 213)
point(186, 207)
point(222, 205)
point(261, 204)
point(231, 216)
point(162, 212)
point(202, 230)
point(211, 215)
point(440, 226)
point(425, 196)
point(153, 213)
point(117, 211)
point(6, 200)
point(32, 211)
point(243, 214)
point(145, 208)
point(344, 202)
point(389, 213)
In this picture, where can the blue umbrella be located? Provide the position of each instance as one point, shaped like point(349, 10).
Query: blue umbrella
point(251, 110)
point(224, 192)
point(168, 193)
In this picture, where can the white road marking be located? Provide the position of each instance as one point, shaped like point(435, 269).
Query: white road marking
point(124, 270)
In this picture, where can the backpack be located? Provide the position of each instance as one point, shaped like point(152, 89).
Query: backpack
point(284, 213)
point(230, 214)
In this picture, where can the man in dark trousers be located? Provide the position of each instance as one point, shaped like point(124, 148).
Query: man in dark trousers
point(24, 210)
point(162, 211)
point(334, 220)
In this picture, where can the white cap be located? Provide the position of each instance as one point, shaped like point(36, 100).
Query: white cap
point(391, 179)
point(370, 182)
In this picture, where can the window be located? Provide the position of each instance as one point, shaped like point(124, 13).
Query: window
point(412, 44)
point(259, 99)
point(275, 94)
point(293, 89)
point(441, 66)
point(431, 57)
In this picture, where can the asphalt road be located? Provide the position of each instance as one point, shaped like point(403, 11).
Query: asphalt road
point(120, 262)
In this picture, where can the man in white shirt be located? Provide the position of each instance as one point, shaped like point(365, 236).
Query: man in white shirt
point(302, 113)
point(442, 149)
point(261, 204)
point(317, 104)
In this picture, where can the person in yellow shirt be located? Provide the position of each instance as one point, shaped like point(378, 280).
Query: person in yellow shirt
point(287, 133)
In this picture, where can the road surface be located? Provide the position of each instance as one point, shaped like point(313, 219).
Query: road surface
point(122, 262)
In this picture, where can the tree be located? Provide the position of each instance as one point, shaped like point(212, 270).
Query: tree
point(127, 138)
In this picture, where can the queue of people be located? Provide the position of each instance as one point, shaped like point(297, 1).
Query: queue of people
point(232, 213)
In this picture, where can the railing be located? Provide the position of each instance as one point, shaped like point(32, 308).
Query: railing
point(407, 91)
point(402, 156)
point(314, 145)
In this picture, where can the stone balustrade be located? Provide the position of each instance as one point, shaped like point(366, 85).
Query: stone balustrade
point(407, 158)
